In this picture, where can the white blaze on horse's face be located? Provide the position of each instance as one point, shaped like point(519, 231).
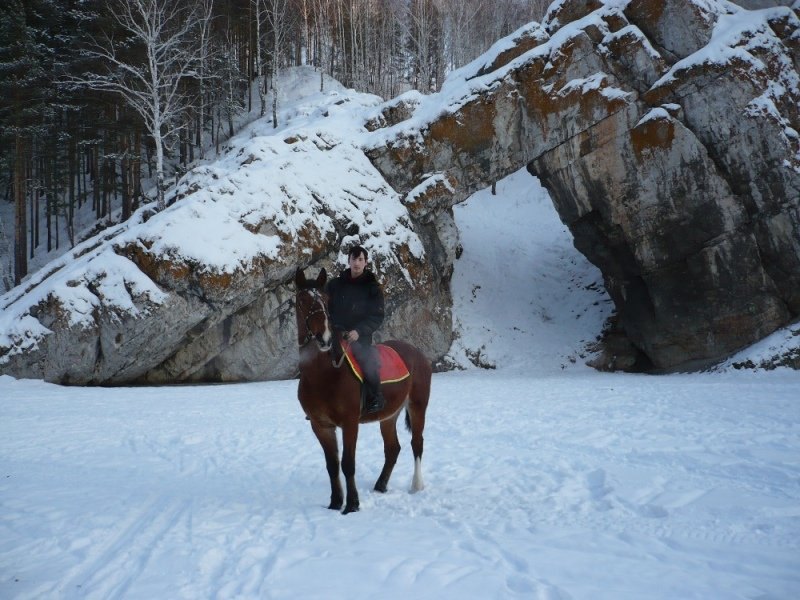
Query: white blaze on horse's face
point(325, 338)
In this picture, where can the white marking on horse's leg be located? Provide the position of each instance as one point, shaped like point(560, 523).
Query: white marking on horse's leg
point(416, 482)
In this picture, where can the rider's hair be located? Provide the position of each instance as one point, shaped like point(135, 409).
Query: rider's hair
point(357, 251)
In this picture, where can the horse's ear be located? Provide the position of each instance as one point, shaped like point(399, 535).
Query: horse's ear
point(299, 278)
point(322, 278)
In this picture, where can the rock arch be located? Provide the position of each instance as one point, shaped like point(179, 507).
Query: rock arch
point(672, 155)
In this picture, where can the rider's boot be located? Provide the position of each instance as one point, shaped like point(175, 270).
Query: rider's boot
point(375, 400)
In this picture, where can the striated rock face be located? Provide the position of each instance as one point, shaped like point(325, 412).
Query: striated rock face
point(667, 135)
point(201, 292)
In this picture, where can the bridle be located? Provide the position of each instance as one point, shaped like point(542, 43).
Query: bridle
point(319, 308)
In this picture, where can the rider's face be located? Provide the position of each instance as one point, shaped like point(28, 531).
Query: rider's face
point(357, 265)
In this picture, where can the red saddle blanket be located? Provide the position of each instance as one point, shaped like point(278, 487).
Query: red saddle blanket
point(392, 370)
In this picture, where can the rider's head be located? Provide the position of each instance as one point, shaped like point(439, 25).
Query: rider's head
point(357, 251)
point(357, 259)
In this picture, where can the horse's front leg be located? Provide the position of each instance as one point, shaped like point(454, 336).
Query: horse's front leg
point(349, 440)
point(326, 434)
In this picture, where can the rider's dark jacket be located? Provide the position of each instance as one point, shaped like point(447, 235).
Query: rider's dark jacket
point(356, 304)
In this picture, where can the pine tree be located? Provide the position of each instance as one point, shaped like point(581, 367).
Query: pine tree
point(25, 88)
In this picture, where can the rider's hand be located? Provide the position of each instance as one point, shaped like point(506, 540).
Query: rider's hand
point(351, 336)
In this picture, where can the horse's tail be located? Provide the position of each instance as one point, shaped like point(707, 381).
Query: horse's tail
point(408, 420)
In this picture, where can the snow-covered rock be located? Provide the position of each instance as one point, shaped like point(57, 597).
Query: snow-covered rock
point(199, 291)
point(667, 136)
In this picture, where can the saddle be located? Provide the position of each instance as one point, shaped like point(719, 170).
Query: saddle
point(392, 367)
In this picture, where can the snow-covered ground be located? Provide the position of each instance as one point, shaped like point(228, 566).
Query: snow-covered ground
point(544, 479)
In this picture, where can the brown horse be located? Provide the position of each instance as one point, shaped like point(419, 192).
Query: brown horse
point(331, 395)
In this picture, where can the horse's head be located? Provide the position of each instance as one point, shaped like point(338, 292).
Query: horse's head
point(311, 306)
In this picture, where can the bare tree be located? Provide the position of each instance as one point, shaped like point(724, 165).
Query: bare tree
point(231, 88)
point(259, 57)
point(322, 47)
point(461, 22)
point(205, 57)
point(425, 44)
point(20, 224)
point(150, 79)
point(305, 32)
point(280, 20)
point(6, 262)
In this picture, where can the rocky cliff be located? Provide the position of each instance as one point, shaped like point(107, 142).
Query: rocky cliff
point(667, 135)
point(200, 291)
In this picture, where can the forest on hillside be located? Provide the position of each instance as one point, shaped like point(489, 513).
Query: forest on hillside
point(103, 102)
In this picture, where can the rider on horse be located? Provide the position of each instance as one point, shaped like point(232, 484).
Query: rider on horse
point(357, 308)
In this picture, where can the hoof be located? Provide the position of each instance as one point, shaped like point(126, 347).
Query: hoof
point(335, 505)
point(381, 487)
point(350, 509)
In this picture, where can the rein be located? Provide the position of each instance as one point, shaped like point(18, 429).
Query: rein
point(338, 363)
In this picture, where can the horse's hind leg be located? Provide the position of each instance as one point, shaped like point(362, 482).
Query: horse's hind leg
point(391, 449)
point(415, 420)
point(327, 439)
point(417, 425)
